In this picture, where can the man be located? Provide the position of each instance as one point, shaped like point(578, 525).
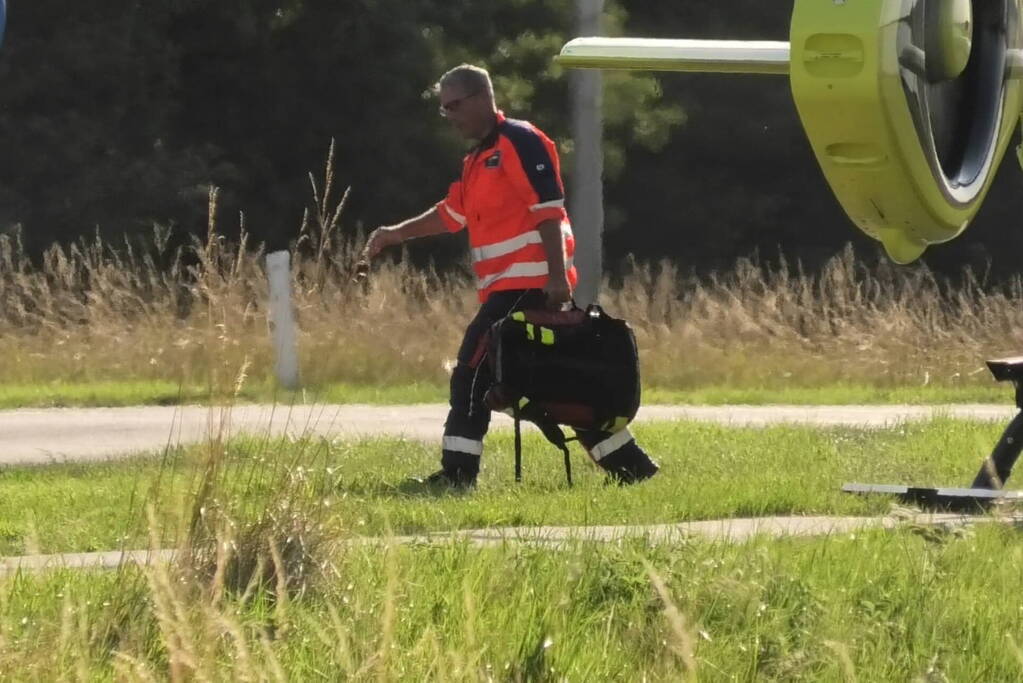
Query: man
point(511, 199)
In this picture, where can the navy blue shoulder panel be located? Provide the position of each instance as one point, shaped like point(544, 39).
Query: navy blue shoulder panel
point(535, 159)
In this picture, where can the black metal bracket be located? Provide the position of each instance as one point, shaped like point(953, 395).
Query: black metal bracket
point(976, 499)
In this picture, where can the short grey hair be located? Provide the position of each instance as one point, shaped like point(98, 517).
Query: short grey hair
point(471, 79)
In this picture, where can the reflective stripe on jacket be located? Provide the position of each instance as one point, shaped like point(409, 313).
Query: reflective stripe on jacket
point(511, 182)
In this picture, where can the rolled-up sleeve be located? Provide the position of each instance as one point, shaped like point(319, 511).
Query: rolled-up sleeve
point(451, 210)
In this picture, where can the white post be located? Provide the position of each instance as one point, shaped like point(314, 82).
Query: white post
point(586, 205)
point(282, 318)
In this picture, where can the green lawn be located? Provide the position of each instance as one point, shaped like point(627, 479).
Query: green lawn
point(877, 606)
point(708, 472)
point(833, 394)
point(914, 604)
point(156, 392)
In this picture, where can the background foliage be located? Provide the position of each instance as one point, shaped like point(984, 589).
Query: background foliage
point(117, 114)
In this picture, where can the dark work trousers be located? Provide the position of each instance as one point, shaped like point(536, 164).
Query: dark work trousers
point(469, 416)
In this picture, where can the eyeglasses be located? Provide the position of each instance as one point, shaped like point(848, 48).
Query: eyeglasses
point(452, 106)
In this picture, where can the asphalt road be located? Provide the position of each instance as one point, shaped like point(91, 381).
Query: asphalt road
point(41, 436)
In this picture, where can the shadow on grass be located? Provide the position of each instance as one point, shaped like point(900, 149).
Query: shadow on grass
point(408, 487)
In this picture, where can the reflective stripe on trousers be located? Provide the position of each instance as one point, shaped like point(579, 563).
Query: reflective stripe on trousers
point(459, 444)
point(611, 444)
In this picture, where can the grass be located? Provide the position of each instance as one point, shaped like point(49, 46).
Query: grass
point(905, 605)
point(267, 588)
point(708, 472)
point(59, 394)
point(830, 394)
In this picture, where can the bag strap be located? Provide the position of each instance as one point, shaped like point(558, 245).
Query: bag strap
point(518, 446)
point(551, 431)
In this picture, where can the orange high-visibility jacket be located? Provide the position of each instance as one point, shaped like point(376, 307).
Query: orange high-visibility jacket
point(511, 182)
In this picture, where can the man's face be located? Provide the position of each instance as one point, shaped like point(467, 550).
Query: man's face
point(471, 113)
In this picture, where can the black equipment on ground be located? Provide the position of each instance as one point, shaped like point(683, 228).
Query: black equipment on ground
point(997, 468)
point(577, 368)
point(987, 486)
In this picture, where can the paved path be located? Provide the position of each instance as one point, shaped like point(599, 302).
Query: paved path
point(725, 531)
point(40, 436)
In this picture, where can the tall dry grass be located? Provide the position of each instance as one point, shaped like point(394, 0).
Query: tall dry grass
point(94, 311)
point(777, 326)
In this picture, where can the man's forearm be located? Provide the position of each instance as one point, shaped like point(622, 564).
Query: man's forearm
point(424, 225)
point(429, 223)
point(553, 246)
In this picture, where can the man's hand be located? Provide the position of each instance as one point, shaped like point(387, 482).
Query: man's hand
point(379, 239)
point(558, 291)
point(428, 223)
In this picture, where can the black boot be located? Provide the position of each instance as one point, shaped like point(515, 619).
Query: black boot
point(458, 470)
point(629, 465)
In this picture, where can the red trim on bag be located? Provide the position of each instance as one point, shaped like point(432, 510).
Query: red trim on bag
point(481, 350)
point(571, 414)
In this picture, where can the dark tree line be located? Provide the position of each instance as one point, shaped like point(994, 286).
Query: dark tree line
point(116, 115)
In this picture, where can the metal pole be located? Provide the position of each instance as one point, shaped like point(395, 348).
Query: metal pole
point(586, 197)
